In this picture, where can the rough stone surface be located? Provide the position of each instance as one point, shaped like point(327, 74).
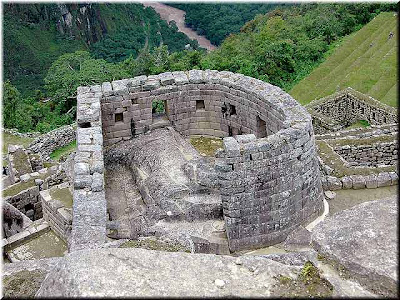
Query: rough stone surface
point(148, 273)
point(297, 239)
point(363, 240)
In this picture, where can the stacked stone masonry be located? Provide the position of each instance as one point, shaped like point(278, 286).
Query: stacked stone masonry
point(368, 156)
point(27, 202)
point(346, 107)
point(89, 204)
point(268, 173)
point(56, 214)
point(55, 139)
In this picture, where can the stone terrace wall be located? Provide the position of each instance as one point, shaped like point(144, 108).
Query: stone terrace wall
point(47, 143)
point(197, 102)
point(269, 185)
point(369, 155)
point(89, 206)
point(346, 107)
point(56, 214)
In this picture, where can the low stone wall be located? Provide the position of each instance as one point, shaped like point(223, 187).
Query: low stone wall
point(89, 208)
point(56, 214)
point(27, 202)
point(345, 107)
point(36, 228)
point(359, 158)
point(47, 143)
point(24, 195)
point(14, 221)
point(371, 181)
point(369, 155)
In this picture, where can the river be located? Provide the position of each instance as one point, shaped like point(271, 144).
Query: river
point(169, 13)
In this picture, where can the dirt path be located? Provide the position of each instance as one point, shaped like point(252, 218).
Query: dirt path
point(169, 13)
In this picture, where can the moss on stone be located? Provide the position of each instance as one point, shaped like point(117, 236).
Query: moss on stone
point(206, 146)
point(23, 284)
point(17, 188)
point(21, 162)
point(308, 284)
point(63, 195)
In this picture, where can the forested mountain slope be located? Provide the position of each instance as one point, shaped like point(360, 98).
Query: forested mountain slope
point(366, 61)
point(217, 20)
point(35, 35)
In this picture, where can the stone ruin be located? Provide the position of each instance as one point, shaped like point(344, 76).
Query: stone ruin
point(264, 182)
point(341, 109)
point(135, 175)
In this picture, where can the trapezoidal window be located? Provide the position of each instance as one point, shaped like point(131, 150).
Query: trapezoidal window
point(261, 128)
point(200, 105)
point(232, 110)
point(159, 110)
point(119, 117)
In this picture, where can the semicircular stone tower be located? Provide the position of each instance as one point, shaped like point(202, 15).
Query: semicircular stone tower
point(268, 169)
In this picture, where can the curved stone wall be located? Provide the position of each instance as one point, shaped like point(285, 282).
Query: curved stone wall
point(268, 173)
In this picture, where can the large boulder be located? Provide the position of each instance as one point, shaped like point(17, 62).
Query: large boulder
point(363, 240)
point(133, 272)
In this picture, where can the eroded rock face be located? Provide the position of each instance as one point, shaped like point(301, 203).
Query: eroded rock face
point(363, 239)
point(174, 181)
point(148, 273)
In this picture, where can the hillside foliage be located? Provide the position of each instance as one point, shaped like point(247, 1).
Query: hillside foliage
point(34, 39)
point(217, 20)
point(281, 47)
point(365, 60)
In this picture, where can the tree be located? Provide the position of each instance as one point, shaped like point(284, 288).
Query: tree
point(10, 103)
point(76, 69)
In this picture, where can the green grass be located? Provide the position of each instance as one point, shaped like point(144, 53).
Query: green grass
point(205, 145)
point(14, 140)
point(359, 124)
point(371, 70)
point(63, 151)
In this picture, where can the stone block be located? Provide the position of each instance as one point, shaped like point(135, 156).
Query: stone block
point(371, 181)
point(358, 181)
point(97, 182)
point(81, 169)
point(334, 183)
point(82, 181)
point(384, 179)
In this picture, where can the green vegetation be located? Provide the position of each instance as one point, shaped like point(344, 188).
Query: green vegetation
point(205, 145)
point(63, 195)
point(308, 284)
point(10, 139)
point(155, 244)
point(359, 124)
point(366, 61)
point(281, 47)
point(63, 151)
point(284, 46)
point(217, 20)
point(23, 284)
point(35, 35)
point(134, 28)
